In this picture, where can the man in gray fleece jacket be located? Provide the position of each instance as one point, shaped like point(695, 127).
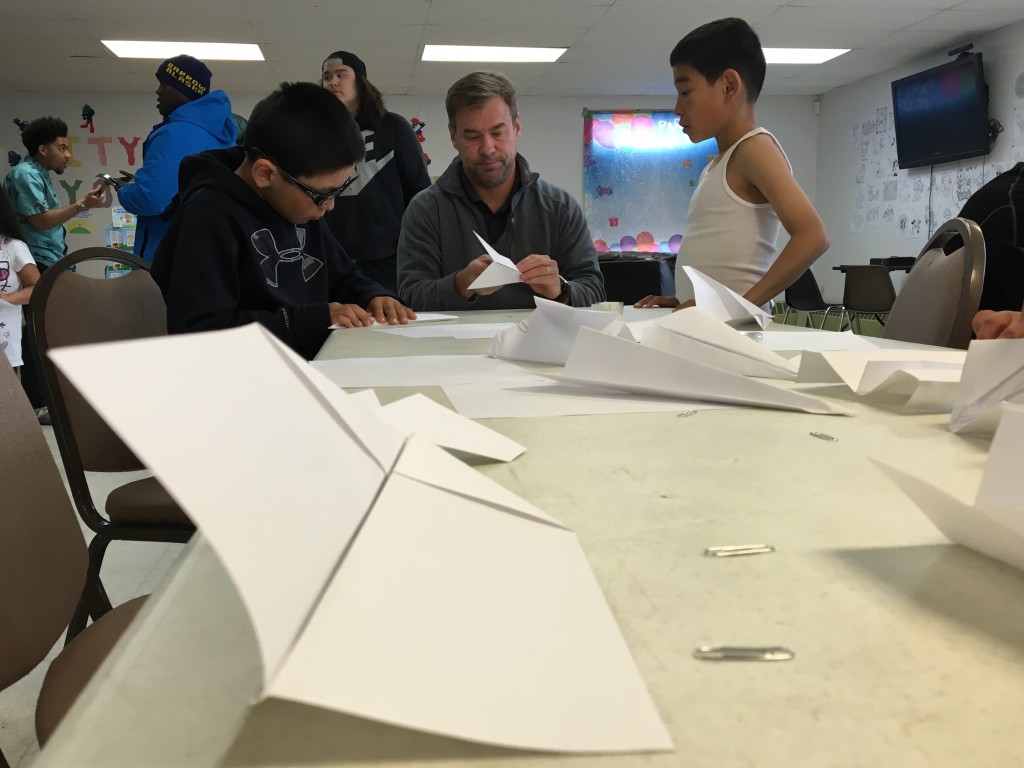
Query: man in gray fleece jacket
point(489, 189)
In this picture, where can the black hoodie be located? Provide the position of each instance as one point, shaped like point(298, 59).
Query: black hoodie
point(229, 259)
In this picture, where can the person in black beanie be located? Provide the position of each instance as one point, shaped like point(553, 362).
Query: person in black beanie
point(367, 218)
point(194, 119)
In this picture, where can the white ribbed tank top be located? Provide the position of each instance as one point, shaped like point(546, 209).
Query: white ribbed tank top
point(727, 238)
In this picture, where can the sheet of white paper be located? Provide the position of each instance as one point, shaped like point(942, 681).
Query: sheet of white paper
point(548, 333)
point(359, 372)
point(851, 368)
point(424, 417)
point(607, 361)
point(421, 317)
point(817, 341)
point(993, 373)
point(723, 303)
point(501, 270)
point(452, 617)
point(500, 401)
point(450, 331)
point(240, 457)
point(692, 334)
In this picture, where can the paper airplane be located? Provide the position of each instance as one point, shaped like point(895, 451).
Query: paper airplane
point(994, 524)
point(692, 334)
point(993, 374)
point(548, 333)
point(600, 360)
point(723, 303)
point(501, 271)
point(383, 577)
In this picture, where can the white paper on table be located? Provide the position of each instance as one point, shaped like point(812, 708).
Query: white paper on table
point(606, 361)
point(421, 317)
point(550, 399)
point(450, 331)
point(420, 371)
point(814, 341)
point(442, 426)
point(993, 374)
point(548, 333)
point(994, 525)
point(501, 271)
point(692, 334)
point(722, 303)
point(354, 576)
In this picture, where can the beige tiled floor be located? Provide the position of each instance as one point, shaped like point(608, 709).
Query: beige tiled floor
point(129, 569)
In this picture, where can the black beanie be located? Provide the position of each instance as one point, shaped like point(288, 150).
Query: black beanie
point(348, 59)
point(188, 75)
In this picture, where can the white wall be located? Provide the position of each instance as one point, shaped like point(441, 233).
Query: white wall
point(838, 158)
point(552, 134)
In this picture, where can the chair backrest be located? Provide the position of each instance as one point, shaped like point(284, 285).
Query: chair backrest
point(869, 289)
point(43, 557)
point(70, 308)
point(804, 294)
point(943, 290)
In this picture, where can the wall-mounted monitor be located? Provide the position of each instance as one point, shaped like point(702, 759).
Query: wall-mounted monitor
point(941, 114)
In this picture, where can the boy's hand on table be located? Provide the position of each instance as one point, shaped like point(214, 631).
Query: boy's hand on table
point(390, 311)
point(349, 315)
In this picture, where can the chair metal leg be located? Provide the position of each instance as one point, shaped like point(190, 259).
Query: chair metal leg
point(94, 601)
point(785, 315)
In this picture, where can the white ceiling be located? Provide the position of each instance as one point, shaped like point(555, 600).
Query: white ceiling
point(616, 47)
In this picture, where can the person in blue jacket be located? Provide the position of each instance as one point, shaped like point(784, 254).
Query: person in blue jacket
point(195, 119)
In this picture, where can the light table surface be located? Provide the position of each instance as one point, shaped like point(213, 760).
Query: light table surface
point(909, 651)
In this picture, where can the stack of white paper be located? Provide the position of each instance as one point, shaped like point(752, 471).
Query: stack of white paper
point(600, 360)
point(696, 336)
point(926, 380)
point(994, 525)
point(547, 335)
point(993, 375)
point(722, 303)
point(383, 577)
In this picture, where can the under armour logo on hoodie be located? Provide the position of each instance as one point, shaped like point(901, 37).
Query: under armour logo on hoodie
point(264, 243)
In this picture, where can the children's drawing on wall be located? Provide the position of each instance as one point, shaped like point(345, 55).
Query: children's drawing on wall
point(886, 195)
point(88, 113)
point(639, 172)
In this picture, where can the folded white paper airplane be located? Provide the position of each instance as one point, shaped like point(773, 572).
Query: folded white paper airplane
point(548, 333)
point(600, 360)
point(926, 380)
point(383, 577)
point(993, 375)
point(994, 525)
point(722, 303)
point(696, 336)
point(501, 271)
point(421, 317)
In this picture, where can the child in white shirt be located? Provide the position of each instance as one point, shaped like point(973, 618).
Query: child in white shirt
point(18, 275)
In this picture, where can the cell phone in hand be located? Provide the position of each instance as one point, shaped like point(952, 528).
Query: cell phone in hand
point(109, 181)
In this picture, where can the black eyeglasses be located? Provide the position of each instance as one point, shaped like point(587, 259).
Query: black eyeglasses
point(319, 199)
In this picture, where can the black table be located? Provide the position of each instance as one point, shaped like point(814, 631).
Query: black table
point(893, 264)
point(630, 276)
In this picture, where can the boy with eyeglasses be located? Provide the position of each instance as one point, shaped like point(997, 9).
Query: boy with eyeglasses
point(247, 242)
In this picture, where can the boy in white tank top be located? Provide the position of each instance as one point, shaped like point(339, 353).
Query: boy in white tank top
point(748, 191)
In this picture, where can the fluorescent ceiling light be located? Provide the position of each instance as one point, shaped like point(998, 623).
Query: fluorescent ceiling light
point(160, 49)
point(802, 55)
point(485, 53)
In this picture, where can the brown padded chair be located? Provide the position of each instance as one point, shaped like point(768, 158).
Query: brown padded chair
point(43, 567)
point(943, 290)
point(70, 308)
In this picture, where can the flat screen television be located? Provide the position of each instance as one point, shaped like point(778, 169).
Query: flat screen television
point(941, 114)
